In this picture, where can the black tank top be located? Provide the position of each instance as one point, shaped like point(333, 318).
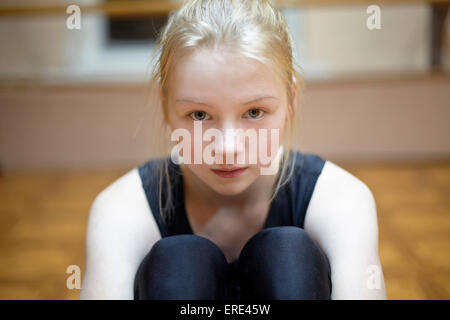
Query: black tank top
point(287, 209)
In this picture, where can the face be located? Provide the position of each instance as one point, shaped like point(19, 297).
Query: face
point(222, 91)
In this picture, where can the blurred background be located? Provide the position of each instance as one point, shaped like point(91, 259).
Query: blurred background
point(74, 116)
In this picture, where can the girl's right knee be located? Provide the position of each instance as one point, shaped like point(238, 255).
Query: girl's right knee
point(182, 267)
point(185, 245)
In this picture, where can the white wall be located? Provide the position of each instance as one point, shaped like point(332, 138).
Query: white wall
point(338, 40)
point(329, 41)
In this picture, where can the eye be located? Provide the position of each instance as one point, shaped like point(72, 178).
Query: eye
point(255, 113)
point(199, 115)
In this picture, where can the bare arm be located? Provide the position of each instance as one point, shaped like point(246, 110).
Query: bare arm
point(342, 219)
point(120, 232)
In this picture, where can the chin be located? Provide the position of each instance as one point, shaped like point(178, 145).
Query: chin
point(229, 189)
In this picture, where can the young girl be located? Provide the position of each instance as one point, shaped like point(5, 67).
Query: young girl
point(179, 228)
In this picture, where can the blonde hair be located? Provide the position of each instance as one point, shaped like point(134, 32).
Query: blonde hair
point(252, 28)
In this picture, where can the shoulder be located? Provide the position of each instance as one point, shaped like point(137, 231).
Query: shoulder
point(120, 231)
point(340, 177)
point(340, 199)
point(341, 188)
point(122, 208)
point(123, 200)
point(330, 181)
point(120, 189)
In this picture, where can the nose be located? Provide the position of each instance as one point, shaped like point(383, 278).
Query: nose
point(232, 146)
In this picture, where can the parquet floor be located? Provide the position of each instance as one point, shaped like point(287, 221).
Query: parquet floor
point(43, 219)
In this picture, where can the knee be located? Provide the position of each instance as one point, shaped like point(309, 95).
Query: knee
point(184, 243)
point(184, 248)
point(276, 239)
point(284, 262)
point(181, 266)
point(285, 242)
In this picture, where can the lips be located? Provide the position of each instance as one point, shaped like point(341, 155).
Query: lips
point(228, 168)
point(229, 172)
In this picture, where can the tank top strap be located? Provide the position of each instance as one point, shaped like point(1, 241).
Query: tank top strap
point(307, 169)
point(151, 173)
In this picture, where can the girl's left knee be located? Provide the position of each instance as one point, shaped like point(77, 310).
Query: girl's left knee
point(286, 260)
point(289, 239)
point(279, 237)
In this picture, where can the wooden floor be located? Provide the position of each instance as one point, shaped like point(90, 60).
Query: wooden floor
point(43, 219)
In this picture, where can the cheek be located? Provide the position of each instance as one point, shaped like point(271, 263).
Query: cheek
point(274, 134)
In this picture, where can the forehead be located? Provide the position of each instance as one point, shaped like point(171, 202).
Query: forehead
point(221, 74)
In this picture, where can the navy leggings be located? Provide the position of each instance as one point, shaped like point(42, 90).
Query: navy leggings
point(277, 263)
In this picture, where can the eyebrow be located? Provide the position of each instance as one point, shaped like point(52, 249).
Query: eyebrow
point(245, 103)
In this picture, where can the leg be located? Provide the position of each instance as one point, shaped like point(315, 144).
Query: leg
point(283, 263)
point(182, 267)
